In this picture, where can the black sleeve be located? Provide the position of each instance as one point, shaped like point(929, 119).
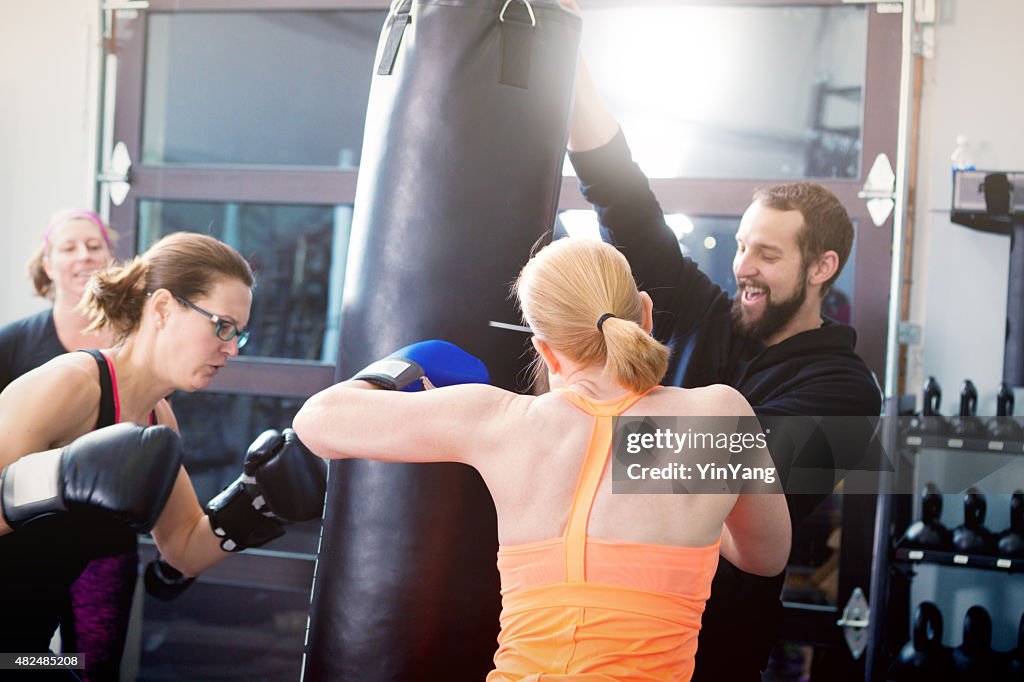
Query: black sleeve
point(8, 349)
point(827, 395)
point(625, 205)
point(813, 462)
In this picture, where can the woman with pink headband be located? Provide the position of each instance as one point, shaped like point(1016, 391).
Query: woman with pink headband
point(76, 244)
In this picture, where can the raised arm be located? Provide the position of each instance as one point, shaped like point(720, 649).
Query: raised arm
point(627, 208)
point(357, 419)
point(592, 124)
point(457, 422)
point(42, 415)
point(182, 533)
point(281, 483)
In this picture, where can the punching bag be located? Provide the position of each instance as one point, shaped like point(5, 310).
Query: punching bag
point(462, 155)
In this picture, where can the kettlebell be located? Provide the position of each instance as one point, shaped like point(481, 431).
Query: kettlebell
point(1011, 540)
point(923, 657)
point(929, 422)
point(1015, 658)
point(967, 424)
point(972, 537)
point(974, 659)
point(1002, 426)
point(928, 532)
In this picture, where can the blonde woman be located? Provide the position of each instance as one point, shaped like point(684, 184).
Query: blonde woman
point(594, 585)
point(75, 244)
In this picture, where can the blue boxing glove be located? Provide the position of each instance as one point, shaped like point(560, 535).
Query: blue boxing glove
point(427, 364)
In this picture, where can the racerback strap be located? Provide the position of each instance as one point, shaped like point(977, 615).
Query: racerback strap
point(594, 464)
point(110, 404)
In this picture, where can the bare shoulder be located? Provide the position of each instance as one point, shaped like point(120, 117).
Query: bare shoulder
point(515, 420)
point(489, 400)
point(66, 380)
point(51, 405)
point(724, 400)
point(544, 408)
point(717, 399)
point(525, 426)
point(500, 409)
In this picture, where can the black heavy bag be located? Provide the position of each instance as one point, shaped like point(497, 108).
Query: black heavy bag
point(461, 165)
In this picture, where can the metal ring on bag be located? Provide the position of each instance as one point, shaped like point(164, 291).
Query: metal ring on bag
point(529, 8)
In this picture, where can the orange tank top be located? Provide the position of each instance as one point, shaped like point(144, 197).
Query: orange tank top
point(583, 608)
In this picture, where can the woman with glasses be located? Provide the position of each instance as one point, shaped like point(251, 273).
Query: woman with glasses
point(177, 315)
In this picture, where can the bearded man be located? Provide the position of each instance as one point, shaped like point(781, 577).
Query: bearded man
point(770, 341)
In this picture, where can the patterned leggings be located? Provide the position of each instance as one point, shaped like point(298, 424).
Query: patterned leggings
point(96, 623)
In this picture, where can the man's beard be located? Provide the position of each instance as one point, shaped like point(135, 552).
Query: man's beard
point(775, 315)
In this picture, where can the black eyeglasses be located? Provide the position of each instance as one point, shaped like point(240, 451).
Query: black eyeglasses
point(224, 330)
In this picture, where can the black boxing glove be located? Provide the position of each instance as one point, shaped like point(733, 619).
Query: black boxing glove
point(281, 482)
point(164, 581)
point(293, 480)
point(125, 469)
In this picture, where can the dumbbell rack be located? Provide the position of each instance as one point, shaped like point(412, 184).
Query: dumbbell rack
point(895, 567)
point(927, 556)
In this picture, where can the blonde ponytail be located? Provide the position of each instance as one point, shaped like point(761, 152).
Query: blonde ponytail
point(634, 359)
point(572, 284)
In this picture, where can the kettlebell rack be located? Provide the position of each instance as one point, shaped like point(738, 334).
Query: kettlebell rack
point(963, 447)
point(935, 445)
point(929, 556)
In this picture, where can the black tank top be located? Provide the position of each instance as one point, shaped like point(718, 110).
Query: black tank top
point(40, 561)
point(109, 399)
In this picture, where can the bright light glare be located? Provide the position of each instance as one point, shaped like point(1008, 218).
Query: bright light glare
point(669, 69)
point(581, 223)
point(680, 224)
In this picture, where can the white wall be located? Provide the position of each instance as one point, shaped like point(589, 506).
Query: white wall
point(971, 86)
point(49, 58)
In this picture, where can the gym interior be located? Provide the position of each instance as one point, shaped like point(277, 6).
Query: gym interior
point(250, 121)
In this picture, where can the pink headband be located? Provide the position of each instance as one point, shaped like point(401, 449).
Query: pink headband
point(65, 216)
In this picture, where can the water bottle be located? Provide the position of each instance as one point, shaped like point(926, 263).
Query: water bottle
point(962, 157)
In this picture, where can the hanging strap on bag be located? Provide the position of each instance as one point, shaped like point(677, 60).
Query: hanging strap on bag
point(516, 42)
point(517, 21)
point(399, 20)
